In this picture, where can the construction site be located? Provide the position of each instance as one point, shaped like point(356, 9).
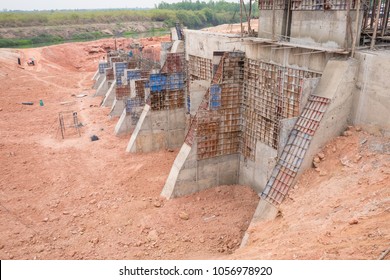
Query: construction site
point(266, 139)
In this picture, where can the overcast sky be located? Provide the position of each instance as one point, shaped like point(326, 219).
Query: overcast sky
point(80, 4)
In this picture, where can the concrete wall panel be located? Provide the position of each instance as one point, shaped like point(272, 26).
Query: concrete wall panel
point(371, 94)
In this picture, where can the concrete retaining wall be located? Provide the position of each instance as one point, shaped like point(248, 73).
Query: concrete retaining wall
point(203, 44)
point(109, 96)
point(158, 130)
point(371, 107)
point(337, 83)
point(124, 124)
point(256, 173)
point(265, 23)
point(189, 175)
point(321, 28)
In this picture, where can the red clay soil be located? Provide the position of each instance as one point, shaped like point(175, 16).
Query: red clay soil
point(341, 210)
point(78, 199)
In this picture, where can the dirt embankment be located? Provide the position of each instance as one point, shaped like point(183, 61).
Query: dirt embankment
point(340, 210)
point(77, 199)
point(69, 32)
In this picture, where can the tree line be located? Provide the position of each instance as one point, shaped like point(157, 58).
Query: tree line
point(193, 14)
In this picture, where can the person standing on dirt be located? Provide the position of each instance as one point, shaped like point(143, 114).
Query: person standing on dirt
point(19, 62)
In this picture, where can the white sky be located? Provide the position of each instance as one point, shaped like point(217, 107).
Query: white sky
point(81, 4)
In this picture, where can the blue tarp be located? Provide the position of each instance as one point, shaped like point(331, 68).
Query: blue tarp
point(102, 67)
point(215, 97)
point(119, 71)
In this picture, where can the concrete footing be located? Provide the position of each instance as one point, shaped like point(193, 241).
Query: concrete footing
point(265, 211)
point(96, 75)
point(158, 130)
point(117, 107)
point(124, 124)
point(102, 87)
point(98, 81)
point(169, 190)
point(110, 96)
point(189, 175)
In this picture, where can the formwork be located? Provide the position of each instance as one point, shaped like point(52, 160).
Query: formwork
point(102, 67)
point(219, 130)
point(134, 108)
point(218, 121)
point(114, 59)
point(133, 74)
point(119, 70)
point(109, 74)
point(270, 93)
point(140, 86)
point(245, 104)
point(174, 63)
point(122, 92)
point(167, 89)
point(199, 68)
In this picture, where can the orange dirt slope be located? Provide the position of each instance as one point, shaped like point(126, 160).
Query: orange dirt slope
point(340, 210)
point(78, 199)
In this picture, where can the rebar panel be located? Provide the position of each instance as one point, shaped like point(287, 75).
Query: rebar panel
point(321, 4)
point(193, 64)
point(218, 119)
point(269, 4)
point(102, 67)
point(145, 74)
point(69, 119)
point(174, 63)
point(370, 11)
point(132, 63)
point(109, 74)
point(287, 167)
point(167, 91)
point(119, 70)
point(199, 68)
point(271, 93)
point(115, 59)
point(140, 86)
point(166, 100)
point(134, 108)
point(133, 74)
point(122, 91)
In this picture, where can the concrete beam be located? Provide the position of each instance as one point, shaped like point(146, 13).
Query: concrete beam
point(110, 96)
point(124, 125)
point(178, 164)
point(98, 81)
point(265, 211)
point(102, 88)
point(96, 75)
point(158, 130)
point(117, 107)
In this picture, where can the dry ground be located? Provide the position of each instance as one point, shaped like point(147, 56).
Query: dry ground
point(341, 210)
point(77, 199)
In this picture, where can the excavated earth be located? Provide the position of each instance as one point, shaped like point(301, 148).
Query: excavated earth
point(338, 210)
point(74, 198)
point(77, 199)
